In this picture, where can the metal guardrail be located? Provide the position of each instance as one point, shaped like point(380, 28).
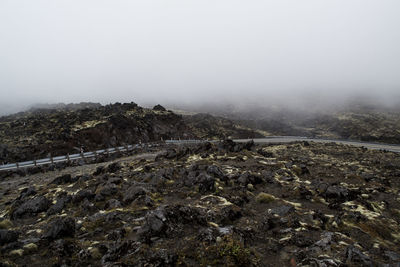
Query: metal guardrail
point(186, 141)
point(71, 157)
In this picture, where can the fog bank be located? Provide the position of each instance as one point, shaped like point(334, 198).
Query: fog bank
point(284, 52)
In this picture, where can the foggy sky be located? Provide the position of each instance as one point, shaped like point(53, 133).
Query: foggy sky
point(205, 50)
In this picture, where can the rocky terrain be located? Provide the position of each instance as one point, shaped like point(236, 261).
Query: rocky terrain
point(60, 129)
point(361, 124)
point(222, 204)
point(206, 126)
point(358, 120)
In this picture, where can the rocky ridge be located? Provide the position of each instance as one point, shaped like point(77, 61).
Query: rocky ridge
point(61, 129)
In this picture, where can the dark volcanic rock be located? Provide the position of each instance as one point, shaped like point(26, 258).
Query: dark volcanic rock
point(64, 179)
point(31, 207)
point(119, 249)
point(159, 108)
point(155, 225)
point(133, 192)
point(112, 204)
point(165, 220)
point(108, 190)
point(171, 153)
point(355, 256)
point(336, 192)
point(231, 146)
point(247, 178)
point(185, 215)
point(62, 200)
point(99, 170)
point(282, 210)
point(31, 191)
point(60, 227)
point(64, 248)
point(113, 167)
point(8, 236)
point(216, 171)
point(206, 183)
point(81, 195)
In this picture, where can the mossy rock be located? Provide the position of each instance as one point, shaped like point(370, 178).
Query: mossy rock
point(6, 224)
point(264, 198)
point(31, 247)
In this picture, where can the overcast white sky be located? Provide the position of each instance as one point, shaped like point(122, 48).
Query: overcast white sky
point(159, 50)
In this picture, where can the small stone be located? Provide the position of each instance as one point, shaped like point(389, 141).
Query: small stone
point(250, 187)
point(218, 239)
point(365, 196)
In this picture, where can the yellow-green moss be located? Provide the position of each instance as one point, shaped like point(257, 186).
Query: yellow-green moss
point(264, 198)
point(5, 224)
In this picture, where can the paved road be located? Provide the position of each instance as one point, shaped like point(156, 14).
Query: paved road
point(288, 139)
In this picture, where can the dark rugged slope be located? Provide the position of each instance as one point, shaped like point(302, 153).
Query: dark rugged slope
point(364, 125)
point(36, 133)
point(208, 126)
point(356, 121)
point(63, 129)
point(209, 205)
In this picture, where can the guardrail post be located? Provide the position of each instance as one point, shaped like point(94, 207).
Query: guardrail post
point(68, 159)
point(17, 165)
point(34, 162)
point(51, 159)
point(95, 154)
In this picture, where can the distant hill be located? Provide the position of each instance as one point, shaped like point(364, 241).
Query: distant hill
point(355, 120)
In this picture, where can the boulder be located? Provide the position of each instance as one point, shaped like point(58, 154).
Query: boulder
point(27, 192)
point(63, 179)
point(336, 192)
point(155, 225)
point(113, 167)
point(81, 195)
point(32, 207)
point(230, 146)
point(282, 210)
point(215, 171)
point(205, 182)
point(112, 204)
point(133, 192)
point(355, 256)
point(8, 236)
point(59, 228)
point(62, 200)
